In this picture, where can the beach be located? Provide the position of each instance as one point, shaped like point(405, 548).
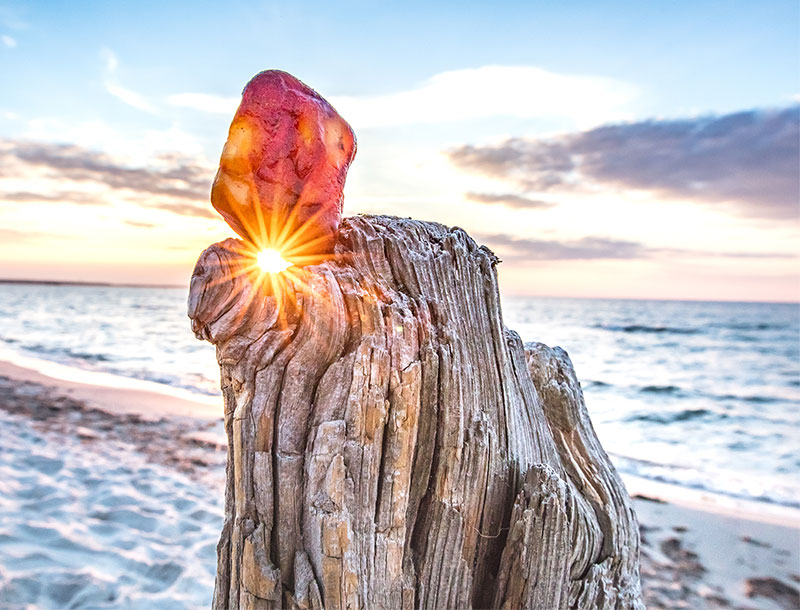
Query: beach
point(101, 506)
point(108, 505)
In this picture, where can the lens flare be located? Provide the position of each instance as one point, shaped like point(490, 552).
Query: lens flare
point(271, 261)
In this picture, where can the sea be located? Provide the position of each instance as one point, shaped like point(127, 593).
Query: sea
point(702, 395)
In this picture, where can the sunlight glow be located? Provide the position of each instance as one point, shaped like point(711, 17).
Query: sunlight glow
point(271, 261)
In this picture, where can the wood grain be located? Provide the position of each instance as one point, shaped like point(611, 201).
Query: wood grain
point(393, 446)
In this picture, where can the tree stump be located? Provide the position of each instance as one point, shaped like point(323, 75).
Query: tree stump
point(391, 445)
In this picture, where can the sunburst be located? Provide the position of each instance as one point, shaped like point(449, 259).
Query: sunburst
point(274, 260)
point(278, 245)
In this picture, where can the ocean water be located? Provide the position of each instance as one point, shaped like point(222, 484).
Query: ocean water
point(702, 395)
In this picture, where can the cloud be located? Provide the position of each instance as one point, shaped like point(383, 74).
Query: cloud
point(112, 85)
point(67, 197)
point(476, 93)
point(534, 165)
point(492, 91)
point(176, 177)
point(205, 102)
point(185, 209)
point(586, 248)
point(129, 97)
point(8, 41)
point(747, 160)
point(141, 225)
point(13, 236)
point(110, 59)
point(531, 250)
point(509, 199)
point(74, 174)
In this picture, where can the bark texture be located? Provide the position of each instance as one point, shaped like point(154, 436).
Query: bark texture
point(393, 446)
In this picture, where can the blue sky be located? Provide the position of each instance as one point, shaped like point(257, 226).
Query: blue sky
point(417, 81)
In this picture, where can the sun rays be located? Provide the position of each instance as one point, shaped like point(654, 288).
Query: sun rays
point(271, 265)
point(284, 213)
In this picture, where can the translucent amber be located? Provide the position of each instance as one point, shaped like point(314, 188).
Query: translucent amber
point(283, 168)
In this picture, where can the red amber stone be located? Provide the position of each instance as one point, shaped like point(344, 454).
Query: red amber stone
point(283, 168)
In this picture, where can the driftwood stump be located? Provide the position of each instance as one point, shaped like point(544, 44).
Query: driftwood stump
point(393, 445)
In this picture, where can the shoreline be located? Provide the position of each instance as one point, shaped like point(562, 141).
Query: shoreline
point(112, 393)
point(98, 284)
point(710, 502)
point(149, 400)
point(90, 284)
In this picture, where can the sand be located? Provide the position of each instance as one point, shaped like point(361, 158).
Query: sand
point(118, 395)
point(111, 496)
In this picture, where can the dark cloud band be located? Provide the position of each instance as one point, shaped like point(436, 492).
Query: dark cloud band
point(748, 160)
point(509, 199)
point(180, 185)
point(531, 250)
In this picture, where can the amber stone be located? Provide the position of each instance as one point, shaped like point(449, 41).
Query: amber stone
point(283, 168)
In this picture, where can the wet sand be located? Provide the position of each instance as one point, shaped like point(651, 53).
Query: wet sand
point(113, 497)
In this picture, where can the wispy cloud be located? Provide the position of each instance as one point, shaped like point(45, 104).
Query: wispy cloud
point(139, 224)
point(64, 196)
point(509, 199)
point(184, 209)
point(113, 87)
point(587, 248)
point(747, 160)
point(110, 60)
point(205, 102)
point(531, 250)
point(73, 174)
point(12, 236)
point(129, 97)
point(475, 93)
point(177, 177)
point(8, 41)
point(493, 91)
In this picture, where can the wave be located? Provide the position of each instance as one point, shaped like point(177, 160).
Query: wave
point(669, 418)
point(65, 352)
point(673, 390)
point(101, 363)
point(595, 383)
point(661, 389)
point(759, 400)
point(642, 328)
point(776, 489)
point(751, 326)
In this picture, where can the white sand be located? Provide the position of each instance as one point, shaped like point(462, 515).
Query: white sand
point(113, 393)
point(730, 550)
point(99, 527)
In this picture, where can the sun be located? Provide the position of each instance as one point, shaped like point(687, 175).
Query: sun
point(271, 261)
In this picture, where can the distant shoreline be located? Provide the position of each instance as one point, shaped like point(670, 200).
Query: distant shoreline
point(98, 284)
point(643, 300)
point(6, 281)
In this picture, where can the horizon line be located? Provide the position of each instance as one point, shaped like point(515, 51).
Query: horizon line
point(5, 281)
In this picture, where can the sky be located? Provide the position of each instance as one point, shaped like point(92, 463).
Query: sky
point(615, 149)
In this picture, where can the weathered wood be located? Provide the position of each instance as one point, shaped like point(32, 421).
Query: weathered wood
point(393, 445)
